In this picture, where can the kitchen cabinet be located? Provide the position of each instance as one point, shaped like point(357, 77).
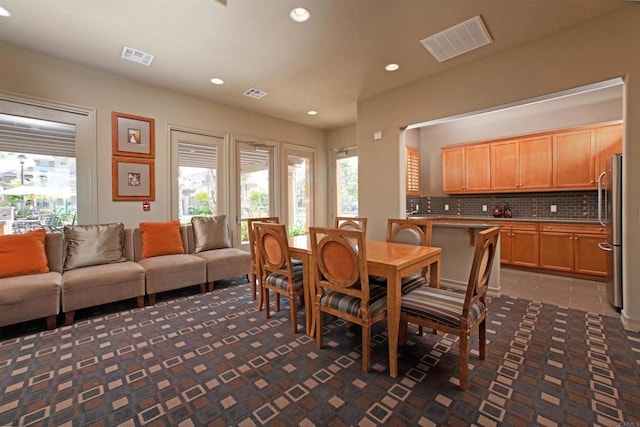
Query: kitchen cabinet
point(522, 164)
point(608, 142)
point(519, 243)
point(466, 169)
point(573, 248)
point(574, 160)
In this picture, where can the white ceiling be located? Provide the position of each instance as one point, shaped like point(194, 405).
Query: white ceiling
point(326, 64)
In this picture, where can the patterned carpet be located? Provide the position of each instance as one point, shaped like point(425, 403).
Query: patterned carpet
point(212, 359)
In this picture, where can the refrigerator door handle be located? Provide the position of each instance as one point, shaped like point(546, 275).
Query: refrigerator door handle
point(600, 219)
point(605, 246)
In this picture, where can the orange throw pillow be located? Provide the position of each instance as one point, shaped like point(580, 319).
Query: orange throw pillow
point(161, 238)
point(23, 254)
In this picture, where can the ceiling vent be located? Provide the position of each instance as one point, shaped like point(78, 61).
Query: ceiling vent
point(137, 56)
point(461, 38)
point(255, 93)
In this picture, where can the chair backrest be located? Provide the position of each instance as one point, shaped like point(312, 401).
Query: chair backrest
point(352, 223)
point(250, 231)
point(410, 231)
point(481, 267)
point(272, 248)
point(341, 264)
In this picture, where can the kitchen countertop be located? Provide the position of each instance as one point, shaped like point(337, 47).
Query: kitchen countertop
point(442, 219)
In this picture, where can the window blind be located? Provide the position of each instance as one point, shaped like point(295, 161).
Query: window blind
point(33, 136)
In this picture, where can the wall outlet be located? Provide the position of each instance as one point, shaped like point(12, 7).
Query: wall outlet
point(446, 207)
point(554, 208)
point(484, 208)
point(417, 207)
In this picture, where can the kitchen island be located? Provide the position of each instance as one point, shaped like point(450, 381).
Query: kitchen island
point(457, 240)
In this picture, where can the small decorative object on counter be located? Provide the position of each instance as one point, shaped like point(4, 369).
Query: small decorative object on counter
point(497, 212)
point(507, 212)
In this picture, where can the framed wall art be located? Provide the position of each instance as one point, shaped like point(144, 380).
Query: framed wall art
point(132, 179)
point(132, 136)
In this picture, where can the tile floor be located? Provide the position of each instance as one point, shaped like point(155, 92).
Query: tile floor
point(569, 292)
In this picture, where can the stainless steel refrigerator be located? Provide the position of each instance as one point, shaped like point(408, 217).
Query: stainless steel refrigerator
point(610, 216)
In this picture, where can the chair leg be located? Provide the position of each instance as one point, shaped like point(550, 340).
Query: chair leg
point(51, 322)
point(464, 360)
point(68, 317)
point(366, 347)
point(152, 299)
point(140, 301)
point(265, 298)
point(482, 339)
point(294, 314)
point(277, 297)
point(252, 279)
point(402, 332)
point(318, 319)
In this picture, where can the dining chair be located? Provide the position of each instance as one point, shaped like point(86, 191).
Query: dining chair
point(342, 283)
point(454, 312)
point(352, 223)
point(412, 232)
point(255, 272)
point(277, 272)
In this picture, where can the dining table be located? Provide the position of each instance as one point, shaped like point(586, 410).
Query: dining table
point(388, 259)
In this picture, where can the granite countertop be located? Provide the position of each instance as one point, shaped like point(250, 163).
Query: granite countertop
point(490, 219)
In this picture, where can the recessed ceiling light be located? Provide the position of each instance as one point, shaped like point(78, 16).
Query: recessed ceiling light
point(299, 14)
point(391, 67)
point(4, 12)
point(312, 112)
point(217, 81)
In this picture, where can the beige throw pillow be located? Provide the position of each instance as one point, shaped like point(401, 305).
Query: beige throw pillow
point(93, 245)
point(210, 232)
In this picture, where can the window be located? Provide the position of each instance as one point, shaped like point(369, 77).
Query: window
point(37, 173)
point(299, 190)
point(346, 184)
point(200, 189)
point(413, 172)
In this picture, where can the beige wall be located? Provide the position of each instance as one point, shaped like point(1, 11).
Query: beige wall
point(28, 73)
point(597, 51)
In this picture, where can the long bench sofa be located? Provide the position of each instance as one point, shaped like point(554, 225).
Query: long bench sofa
point(90, 265)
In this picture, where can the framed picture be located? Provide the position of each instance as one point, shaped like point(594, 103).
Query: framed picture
point(132, 179)
point(132, 136)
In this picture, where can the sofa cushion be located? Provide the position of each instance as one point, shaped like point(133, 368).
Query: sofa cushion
point(161, 238)
point(94, 244)
point(210, 232)
point(23, 254)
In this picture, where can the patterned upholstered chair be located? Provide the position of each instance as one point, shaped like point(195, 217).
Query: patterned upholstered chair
point(352, 223)
point(255, 272)
point(342, 283)
point(411, 232)
point(453, 312)
point(277, 272)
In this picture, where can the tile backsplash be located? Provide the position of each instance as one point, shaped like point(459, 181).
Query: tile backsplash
point(568, 205)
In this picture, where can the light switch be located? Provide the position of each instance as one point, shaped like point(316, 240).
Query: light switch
point(446, 207)
point(554, 208)
point(484, 208)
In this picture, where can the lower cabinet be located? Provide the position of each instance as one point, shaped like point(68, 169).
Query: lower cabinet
point(519, 244)
point(573, 248)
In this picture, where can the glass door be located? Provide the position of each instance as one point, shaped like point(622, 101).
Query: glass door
point(256, 182)
point(299, 191)
point(346, 167)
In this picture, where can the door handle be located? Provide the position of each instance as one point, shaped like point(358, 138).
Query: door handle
point(605, 246)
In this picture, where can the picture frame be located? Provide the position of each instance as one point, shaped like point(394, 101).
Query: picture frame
point(132, 179)
point(132, 136)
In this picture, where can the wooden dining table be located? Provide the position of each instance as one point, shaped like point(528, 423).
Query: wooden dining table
point(388, 259)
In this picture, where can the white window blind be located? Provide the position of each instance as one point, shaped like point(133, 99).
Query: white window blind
point(33, 136)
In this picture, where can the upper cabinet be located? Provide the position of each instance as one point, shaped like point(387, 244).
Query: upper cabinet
point(561, 160)
point(466, 169)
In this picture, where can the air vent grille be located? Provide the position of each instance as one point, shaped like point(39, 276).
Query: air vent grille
point(137, 56)
point(255, 93)
point(461, 38)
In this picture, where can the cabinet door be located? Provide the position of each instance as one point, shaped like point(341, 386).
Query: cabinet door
point(573, 160)
point(453, 170)
point(556, 251)
point(505, 246)
point(608, 143)
point(504, 165)
point(525, 248)
point(477, 160)
point(589, 258)
point(536, 163)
